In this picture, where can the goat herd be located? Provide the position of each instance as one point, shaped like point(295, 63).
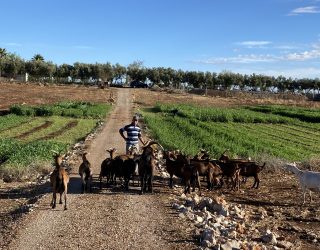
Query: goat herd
point(189, 169)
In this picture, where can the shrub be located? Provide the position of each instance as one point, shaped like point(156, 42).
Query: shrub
point(22, 110)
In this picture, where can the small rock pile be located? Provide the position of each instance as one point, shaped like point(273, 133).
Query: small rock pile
point(219, 225)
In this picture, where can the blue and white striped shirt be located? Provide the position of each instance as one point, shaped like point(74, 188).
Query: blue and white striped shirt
point(133, 134)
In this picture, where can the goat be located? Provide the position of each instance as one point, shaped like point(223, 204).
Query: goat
point(59, 181)
point(190, 176)
point(207, 169)
point(147, 166)
point(180, 166)
point(129, 169)
point(85, 173)
point(308, 180)
point(117, 168)
point(202, 155)
point(230, 170)
point(248, 169)
point(106, 170)
point(174, 165)
point(123, 166)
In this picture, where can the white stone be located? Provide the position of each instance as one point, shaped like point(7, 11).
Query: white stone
point(230, 245)
point(198, 219)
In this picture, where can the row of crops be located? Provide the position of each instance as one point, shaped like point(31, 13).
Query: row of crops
point(28, 135)
point(270, 131)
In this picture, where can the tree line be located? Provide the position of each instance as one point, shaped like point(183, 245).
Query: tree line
point(38, 69)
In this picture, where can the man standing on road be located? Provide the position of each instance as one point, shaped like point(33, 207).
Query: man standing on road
point(133, 134)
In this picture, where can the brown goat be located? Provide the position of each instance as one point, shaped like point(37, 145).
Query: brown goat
point(202, 155)
point(147, 166)
point(190, 175)
point(85, 173)
point(248, 168)
point(208, 169)
point(180, 165)
point(230, 170)
point(251, 169)
point(106, 170)
point(174, 164)
point(59, 181)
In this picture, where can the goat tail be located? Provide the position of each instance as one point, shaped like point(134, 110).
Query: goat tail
point(262, 167)
point(61, 181)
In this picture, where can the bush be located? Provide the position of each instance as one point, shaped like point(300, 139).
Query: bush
point(22, 110)
point(70, 109)
point(43, 111)
point(72, 112)
point(7, 147)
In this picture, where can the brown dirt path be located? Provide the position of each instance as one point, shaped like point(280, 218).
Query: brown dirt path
point(107, 219)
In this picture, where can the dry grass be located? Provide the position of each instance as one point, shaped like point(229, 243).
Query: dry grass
point(145, 97)
point(29, 173)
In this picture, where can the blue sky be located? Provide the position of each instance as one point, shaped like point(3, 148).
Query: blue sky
point(271, 37)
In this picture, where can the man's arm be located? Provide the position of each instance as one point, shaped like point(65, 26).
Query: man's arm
point(121, 130)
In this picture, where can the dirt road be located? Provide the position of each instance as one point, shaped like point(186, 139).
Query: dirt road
point(110, 219)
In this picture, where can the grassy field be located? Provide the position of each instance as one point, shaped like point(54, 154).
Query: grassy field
point(273, 131)
point(29, 134)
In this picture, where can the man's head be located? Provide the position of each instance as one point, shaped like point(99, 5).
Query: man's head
point(135, 119)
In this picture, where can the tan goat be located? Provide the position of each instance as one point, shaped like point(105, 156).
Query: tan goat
point(59, 181)
point(85, 173)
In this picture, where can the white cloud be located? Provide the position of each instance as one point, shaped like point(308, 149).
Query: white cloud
point(306, 72)
point(254, 44)
point(305, 10)
point(240, 59)
point(312, 54)
point(303, 56)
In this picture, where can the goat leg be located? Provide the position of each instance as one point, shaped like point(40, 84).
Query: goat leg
point(65, 200)
point(90, 184)
point(171, 181)
point(60, 201)
point(199, 185)
point(142, 184)
point(187, 186)
point(258, 182)
point(150, 181)
point(100, 179)
point(54, 197)
point(310, 196)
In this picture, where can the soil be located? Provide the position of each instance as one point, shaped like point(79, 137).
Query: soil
point(114, 219)
point(46, 124)
point(67, 127)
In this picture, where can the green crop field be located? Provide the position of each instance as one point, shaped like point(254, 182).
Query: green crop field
point(29, 134)
point(273, 131)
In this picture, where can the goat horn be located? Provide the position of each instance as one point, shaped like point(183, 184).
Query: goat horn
point(55, 152)
point(153, 142)
point(225, 151)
